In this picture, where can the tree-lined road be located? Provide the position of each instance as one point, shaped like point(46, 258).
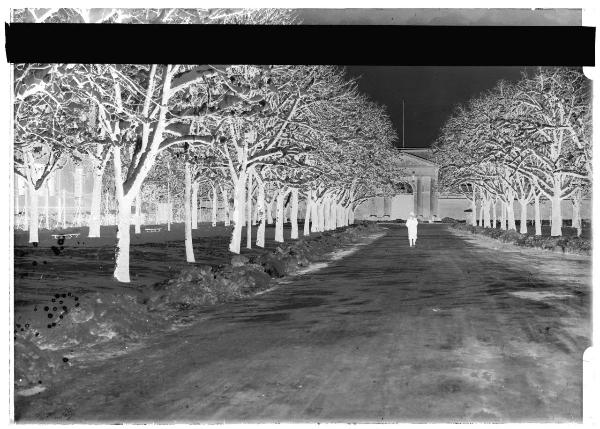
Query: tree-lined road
point(455, 329)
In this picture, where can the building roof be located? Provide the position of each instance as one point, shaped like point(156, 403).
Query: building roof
point(421, 152)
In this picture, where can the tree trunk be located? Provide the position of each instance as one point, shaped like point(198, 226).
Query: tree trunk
point(33, 214)
point(226, 206)
point(473, 211)
point(333, 214)
point(503, 215)
point(239, 197)
point(314, 214)
point(307, 214)
point(121, 272)
point(122, 250)
point(47, 206)
point(25, 219)
point(64, 208)
point(260, 204)
point(523, 229)
point(494, 218)
point(108, 218)
point(187, 207)
point(350, 215)
point(326, 214)
point(556, 221)
point(16, 215)
point(170, 216)
point(96, 207)
point(269, 211)
point(510, 214)
point(215, 206)
point(481, 210)
point(279, 218)
point(321, 215)
point(195, 187)
point(537, 215)
point(58, 202)
point(486, 204)
point(249, 213)
point(169, 197)
point(556, 229)
point(294, 214)
point(576, 216)
point(255, 215)
point(138, 212)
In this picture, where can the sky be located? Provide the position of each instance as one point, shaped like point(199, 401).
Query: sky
point(431, 93)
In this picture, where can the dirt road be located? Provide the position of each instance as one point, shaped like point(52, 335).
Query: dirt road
point(456, 329)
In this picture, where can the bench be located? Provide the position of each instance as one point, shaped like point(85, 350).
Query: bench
point(67, 236)
point(152, 229)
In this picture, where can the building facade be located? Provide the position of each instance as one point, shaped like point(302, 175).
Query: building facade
point(424, 199)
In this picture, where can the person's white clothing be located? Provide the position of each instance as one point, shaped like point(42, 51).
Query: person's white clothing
point(411, 224)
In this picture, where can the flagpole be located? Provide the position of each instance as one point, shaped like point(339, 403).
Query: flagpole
point(402, 123)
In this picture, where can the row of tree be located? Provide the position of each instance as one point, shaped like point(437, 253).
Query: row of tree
point(524, 141)
point(260, 134)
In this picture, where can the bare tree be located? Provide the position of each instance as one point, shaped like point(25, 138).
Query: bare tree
point(47, 129)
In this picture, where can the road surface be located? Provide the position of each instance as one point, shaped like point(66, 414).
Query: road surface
point(456, 329)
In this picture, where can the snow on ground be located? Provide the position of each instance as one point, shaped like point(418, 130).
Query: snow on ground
point(541, 295)
point(68, 306)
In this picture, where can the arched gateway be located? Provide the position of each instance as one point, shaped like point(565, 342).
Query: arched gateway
point(419, 195)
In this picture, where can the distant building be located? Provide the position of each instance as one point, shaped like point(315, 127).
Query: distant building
point(68, 189)
point(422, 196)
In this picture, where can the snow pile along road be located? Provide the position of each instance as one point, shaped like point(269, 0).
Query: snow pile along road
point(48, 337)
point(246, 276)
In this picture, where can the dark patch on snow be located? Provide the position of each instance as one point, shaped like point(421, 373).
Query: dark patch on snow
point(317, 292)
point(266, 317)
point(360, 302)
point(295, 303)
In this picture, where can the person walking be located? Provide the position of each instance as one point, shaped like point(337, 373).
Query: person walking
point(411, 224)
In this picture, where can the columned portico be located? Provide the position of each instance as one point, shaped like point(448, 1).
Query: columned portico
point(424, 208)
point(421, 176)
point(417, 200)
